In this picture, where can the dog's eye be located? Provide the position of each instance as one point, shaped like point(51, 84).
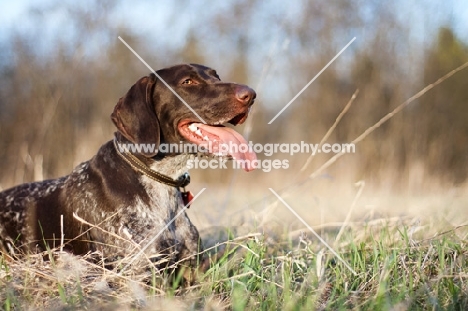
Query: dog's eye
point(187, 81)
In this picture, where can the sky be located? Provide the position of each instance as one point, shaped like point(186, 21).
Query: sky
point(13, 15)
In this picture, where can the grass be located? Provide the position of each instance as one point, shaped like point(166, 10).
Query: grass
point(394, 271)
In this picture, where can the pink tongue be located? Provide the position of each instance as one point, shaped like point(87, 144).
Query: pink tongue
point(232, 141)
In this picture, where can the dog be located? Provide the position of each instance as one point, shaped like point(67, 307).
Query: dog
point(121, 203)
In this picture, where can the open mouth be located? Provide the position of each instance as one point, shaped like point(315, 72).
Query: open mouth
point(220, 140)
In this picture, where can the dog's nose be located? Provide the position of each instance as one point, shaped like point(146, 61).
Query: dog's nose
point(245, 95)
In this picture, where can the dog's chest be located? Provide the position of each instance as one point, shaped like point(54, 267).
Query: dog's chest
point(151, 215)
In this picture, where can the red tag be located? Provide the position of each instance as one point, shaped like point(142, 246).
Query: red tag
point(187, 197)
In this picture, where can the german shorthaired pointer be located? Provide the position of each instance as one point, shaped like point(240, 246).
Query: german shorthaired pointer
point(122, 203)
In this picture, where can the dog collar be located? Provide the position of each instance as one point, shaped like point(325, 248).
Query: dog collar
point(141, 167)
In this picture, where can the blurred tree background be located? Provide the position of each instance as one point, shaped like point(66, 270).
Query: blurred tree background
point(63, 70)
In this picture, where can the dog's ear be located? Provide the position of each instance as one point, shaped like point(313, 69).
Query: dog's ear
point(135, 117)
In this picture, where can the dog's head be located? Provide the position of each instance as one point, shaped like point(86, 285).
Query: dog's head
point(187, 103)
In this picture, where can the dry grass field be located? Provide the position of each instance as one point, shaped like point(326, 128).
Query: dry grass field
point(405, 253)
